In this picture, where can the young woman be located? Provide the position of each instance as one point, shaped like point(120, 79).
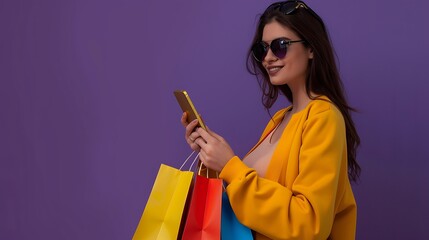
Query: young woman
point(295, 182)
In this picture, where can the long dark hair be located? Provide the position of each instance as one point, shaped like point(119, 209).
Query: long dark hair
point(322, 76)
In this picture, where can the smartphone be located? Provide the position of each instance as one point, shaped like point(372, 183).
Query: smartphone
point(187, 106)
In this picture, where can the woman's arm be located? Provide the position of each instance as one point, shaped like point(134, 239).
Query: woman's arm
point(306, 209)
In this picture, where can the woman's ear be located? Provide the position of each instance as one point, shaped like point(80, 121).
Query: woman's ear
point(310, 53)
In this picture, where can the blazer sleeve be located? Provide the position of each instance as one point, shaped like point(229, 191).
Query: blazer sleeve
point(306, 209)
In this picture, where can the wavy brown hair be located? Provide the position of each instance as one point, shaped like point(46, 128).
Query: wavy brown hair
point(322, 74)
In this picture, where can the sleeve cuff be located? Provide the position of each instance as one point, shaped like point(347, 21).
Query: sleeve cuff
point(233, 170)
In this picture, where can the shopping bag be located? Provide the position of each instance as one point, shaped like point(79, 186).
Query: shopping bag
point(162, 216)
point(204, 215)
point(231, 228)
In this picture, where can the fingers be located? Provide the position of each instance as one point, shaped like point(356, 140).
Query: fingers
point(190, 128)
point(190, 134)
point(184, 119)
point(209, 136)
point(195, 147)
point(200, 142)
point(193, 137)
point(203, 157)
point(215, 135)
point(192, 141)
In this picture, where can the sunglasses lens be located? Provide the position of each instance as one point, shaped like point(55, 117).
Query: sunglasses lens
point(259, 51)
point(288, 7)
point(279, 47)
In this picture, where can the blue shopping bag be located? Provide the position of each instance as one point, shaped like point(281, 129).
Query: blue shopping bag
point(231, 228)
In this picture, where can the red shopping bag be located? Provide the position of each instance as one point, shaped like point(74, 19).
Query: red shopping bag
point(204, 217)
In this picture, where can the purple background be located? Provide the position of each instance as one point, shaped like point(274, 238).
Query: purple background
point(88, 114)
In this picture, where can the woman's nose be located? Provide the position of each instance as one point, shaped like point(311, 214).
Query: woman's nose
point(270, 57)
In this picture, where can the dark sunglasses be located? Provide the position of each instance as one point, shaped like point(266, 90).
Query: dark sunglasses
point(278, 47)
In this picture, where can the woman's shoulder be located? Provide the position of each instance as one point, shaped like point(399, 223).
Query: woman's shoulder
point(322, 105)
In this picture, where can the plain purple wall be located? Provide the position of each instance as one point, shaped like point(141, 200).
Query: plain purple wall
point(88, 115)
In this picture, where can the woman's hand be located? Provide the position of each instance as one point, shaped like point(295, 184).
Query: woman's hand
point(215, 152)
point(190, 135)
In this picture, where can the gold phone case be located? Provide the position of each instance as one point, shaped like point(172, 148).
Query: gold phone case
point(187, 106)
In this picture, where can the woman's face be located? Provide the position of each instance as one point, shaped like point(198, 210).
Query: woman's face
point(292, 69)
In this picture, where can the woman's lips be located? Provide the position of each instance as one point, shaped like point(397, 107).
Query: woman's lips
point(273, 70)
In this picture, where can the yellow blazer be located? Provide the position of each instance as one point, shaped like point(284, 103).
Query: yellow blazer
point(306, 193)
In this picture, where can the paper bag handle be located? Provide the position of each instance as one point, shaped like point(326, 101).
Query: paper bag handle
point(193, 162)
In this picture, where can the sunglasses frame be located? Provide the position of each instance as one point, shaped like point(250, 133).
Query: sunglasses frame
point(278, 52)
point(294, 6)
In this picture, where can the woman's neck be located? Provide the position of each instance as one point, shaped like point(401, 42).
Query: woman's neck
point(300, 99)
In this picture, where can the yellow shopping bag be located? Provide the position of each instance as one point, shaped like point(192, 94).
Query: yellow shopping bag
point(162, 216)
